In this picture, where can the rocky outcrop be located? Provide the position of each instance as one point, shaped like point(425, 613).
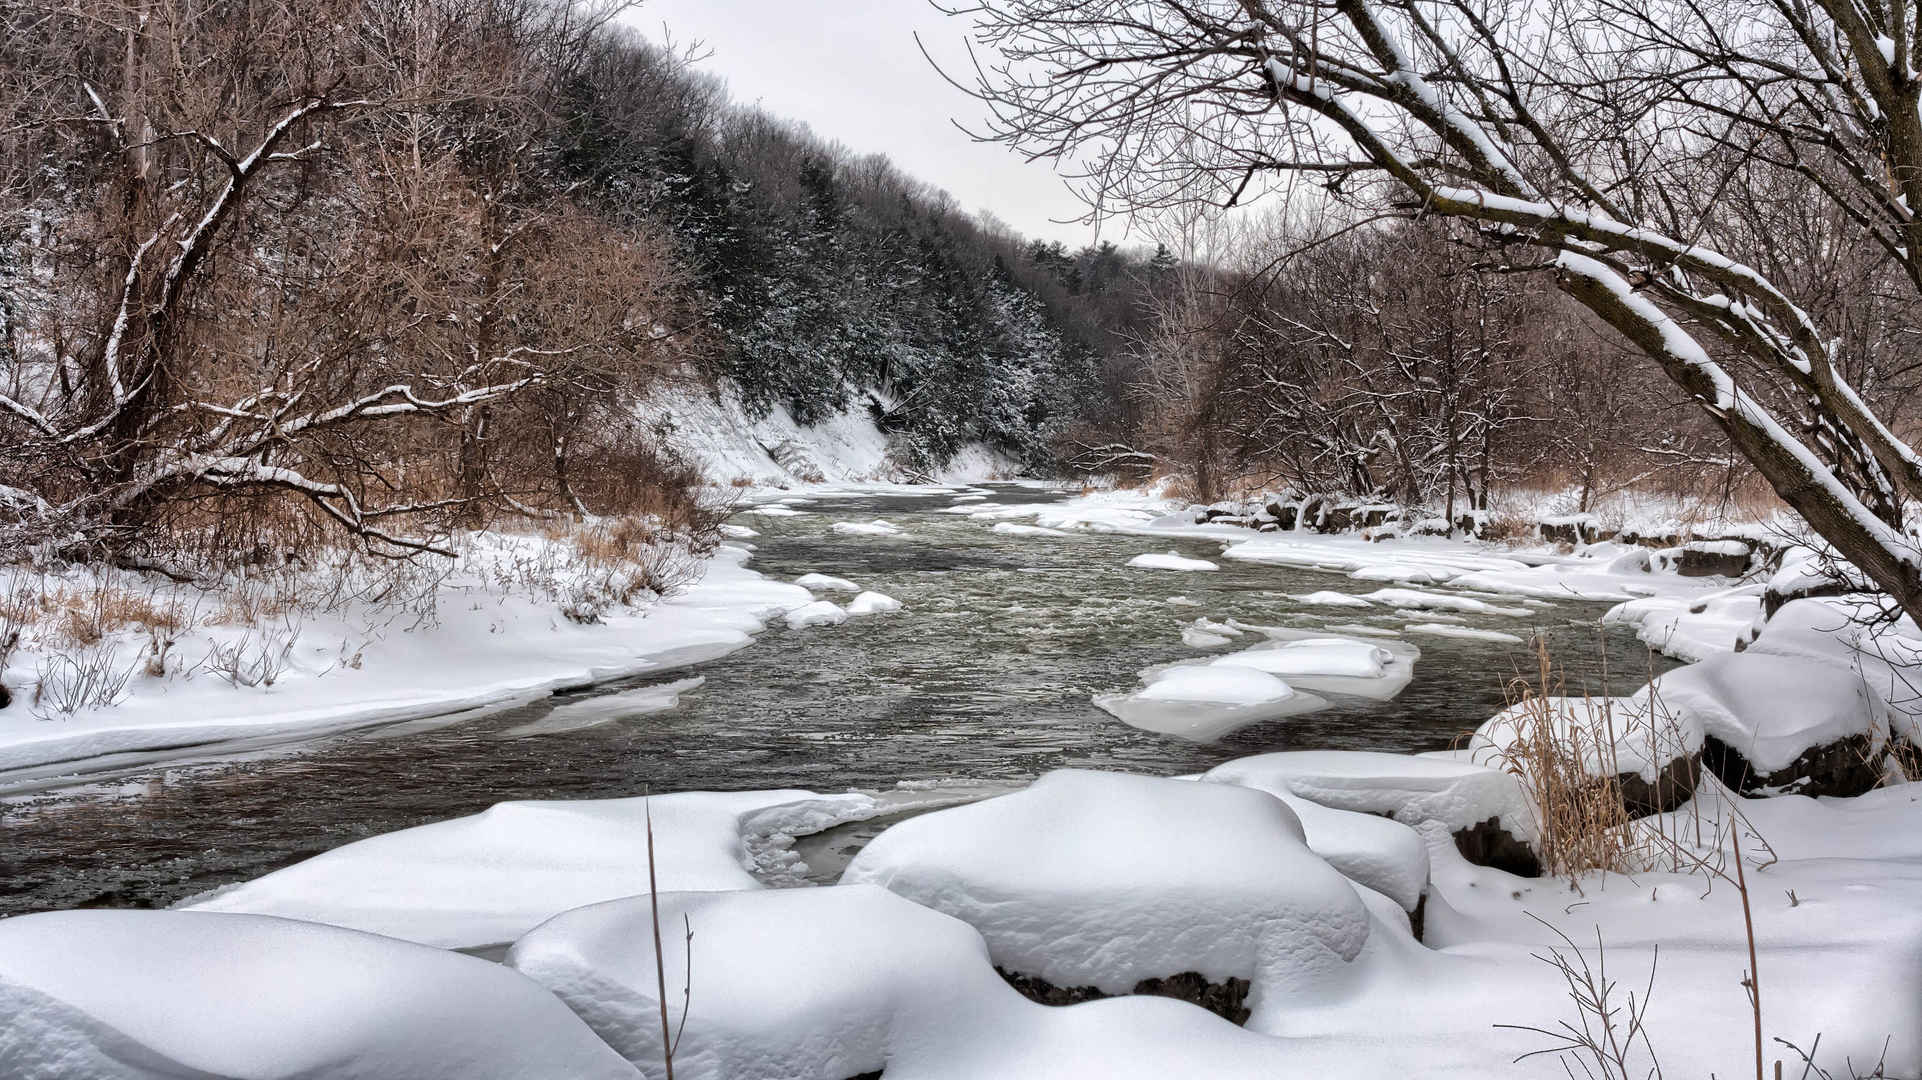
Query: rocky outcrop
point(1225, 999)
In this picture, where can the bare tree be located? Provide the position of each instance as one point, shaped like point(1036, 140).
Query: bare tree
point(1619, 145)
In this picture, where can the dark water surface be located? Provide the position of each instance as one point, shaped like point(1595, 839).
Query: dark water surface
point(986, 676)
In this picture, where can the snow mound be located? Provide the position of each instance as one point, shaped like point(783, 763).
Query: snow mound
point(1384, 855)
point(1104, 879)
point(1438, 629)
point(1411, 790)
point(1203, 702)
point(607, 708)
point(1772, 709)
point(873, 603)
point(826, 583)
point(877, 527)
point(491, 877)
point(120, 995)
point(1325, 598)
point(818, 613)
point(1009, 528)
point(821, 984)
point(1169, 561)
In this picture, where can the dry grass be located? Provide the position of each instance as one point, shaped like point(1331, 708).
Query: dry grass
point(1583, 818)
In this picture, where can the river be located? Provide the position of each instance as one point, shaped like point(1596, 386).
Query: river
point(985, 678)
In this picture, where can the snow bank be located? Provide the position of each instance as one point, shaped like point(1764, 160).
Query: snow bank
point(1431, 601)
point(817, 613)
point(607, 708)
point(1104, 879)
point(141, 995)
point(489, 878)
point(1169, 561)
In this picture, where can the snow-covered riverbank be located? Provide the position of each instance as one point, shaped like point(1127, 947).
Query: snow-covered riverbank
point(1321, 905)
point(487, 642)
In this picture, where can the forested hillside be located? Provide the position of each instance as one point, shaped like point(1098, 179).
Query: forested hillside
point(412, 266)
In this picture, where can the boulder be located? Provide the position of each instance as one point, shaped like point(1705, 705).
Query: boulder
point(1335, 519)
point(1650, 754)
point(1780, 723)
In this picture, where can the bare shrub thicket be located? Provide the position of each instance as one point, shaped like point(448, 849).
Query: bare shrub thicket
point(291, 273)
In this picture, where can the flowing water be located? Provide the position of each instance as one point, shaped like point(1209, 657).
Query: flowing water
point(986, 677)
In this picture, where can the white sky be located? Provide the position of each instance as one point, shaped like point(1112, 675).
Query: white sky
point(850, 70)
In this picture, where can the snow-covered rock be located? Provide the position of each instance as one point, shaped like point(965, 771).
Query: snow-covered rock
point(1203, 702)
point(1486, 809)
point(1777, 723)
point(826, 583)
point(1653, 754)
point(787, 984)
point(489, 878)
point(1692, 627)
point(1169, 561)
point(818, 613)
point(1105, 879)
point(172, 995)
point(873, 603)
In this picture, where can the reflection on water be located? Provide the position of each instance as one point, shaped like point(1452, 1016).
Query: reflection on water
point(986, 676)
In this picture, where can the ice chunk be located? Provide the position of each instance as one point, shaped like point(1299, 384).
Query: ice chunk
point(1447, 630)
point(141, 995)
point(1314, 656)
point(1201, 639)
point(1169, 561)
point(606, 708)
point(1204, 702)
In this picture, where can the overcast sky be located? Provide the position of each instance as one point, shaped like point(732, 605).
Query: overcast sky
point(850, 70)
